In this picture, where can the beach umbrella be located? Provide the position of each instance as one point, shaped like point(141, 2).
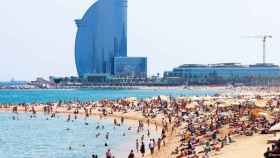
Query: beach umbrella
point(260, 103)
point(164, 98)
point(276, 110)
point(195, 98)
point(208, 103)
point(183, 98)
point(275, 128)
point(224, 105)
point(264, 114)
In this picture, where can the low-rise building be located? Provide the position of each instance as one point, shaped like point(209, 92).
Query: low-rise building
point(223, 73)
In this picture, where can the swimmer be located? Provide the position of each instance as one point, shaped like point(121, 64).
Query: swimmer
point(97, 127)
point(69, 118)
point(107, 135)
point(142, 138)
point(94, 156)
point(97, 135)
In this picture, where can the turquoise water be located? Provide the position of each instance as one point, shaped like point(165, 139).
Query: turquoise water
point(41, 138)
point(30, 96)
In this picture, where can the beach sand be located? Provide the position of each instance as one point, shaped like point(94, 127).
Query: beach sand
point(249, 147)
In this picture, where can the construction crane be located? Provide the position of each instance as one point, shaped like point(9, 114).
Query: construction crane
point(264, 39)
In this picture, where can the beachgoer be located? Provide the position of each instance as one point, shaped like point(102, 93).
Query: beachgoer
point(142, 149)
point(107, 135)
point(159, 143)
point(151, 146)
point(122, 120)
point(94, 156)
point(137, 145)
point(142, 138)
point(131, 154)
point(109, 154)
point(68, 118)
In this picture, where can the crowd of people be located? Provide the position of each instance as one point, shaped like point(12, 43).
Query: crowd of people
point(202, 125)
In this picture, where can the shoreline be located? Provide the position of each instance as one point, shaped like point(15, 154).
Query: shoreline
point(241, 111)
point(130, 118)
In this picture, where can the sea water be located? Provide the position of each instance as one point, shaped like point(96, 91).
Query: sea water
point(40, 137)
point(54, 95)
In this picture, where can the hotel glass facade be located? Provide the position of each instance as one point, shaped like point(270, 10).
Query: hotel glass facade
point(130, 67)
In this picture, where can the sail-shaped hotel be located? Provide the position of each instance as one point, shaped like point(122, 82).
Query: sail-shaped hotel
point(102, 39)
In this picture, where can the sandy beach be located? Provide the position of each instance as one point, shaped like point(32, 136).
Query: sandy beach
point(198, 127)
point(246, 147)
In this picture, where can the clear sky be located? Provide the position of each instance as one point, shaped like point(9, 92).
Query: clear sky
point(37, 37)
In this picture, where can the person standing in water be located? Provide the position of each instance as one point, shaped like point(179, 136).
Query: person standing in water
point(68, 118)
point(109, 154)
point(151, 146)
point(107, 135)
point(122, 120)
point(142, 149)
point(94, 156)
point(159, 143)
point(131, 154)
point(137, 145)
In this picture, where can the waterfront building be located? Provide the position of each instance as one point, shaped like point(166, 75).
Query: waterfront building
point(130, 67)
point(101, 38)
point(222, 73)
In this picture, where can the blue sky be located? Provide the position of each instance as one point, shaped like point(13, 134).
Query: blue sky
point(37, 37)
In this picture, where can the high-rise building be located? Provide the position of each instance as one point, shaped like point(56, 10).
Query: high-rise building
point(101, 36)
